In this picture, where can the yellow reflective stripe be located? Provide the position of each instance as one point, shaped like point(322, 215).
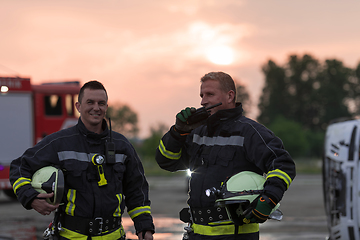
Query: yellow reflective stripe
point(139, 210)
point(70, 206)
point(280, 174)
point(66, 233)
point(21, 182)
point(224, 229)
point(167, 153)
point(117, 234)
point(117, 212)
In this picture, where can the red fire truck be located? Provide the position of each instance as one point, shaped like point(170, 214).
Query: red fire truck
point(30, 112)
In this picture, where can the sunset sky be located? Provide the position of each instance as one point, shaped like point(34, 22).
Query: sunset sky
point(152, 54)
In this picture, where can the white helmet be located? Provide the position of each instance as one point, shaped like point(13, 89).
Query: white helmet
point(47, 180)
point(238, 192)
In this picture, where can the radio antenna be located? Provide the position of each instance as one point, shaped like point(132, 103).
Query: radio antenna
point(110, 148)
point(110, 130)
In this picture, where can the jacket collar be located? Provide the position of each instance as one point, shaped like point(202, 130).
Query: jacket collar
point(90, 134)
point(223, 115)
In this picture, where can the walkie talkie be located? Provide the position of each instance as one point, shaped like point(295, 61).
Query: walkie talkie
point(110, 149)
point(201, 114)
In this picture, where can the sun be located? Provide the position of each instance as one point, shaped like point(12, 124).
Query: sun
point(222, 55)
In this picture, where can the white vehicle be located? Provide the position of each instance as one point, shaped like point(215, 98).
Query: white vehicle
point(341, 176)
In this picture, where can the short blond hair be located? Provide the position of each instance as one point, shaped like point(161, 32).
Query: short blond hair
point(226, 82)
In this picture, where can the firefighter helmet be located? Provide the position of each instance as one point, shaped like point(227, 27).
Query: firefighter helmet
point(238, 192)
point(47, 180)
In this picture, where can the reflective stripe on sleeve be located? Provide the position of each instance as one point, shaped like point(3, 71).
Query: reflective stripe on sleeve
point(167, 153)
point(224, 229)
point(138, 211)
point(280, 174)
point(21, 182)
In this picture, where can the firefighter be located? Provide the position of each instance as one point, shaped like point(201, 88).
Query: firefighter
point(217, 147)
point(102, 175)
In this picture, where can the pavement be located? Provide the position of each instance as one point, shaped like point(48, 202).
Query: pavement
point(302, 206)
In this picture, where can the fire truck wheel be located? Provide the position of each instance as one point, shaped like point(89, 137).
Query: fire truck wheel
point(10, 193)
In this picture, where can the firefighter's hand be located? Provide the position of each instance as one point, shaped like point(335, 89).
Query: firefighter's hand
point(260, 212)
point(148, 235)
point(41, 205)
point(181, 124)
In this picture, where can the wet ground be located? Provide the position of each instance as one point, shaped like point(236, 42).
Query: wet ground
point(304, 216)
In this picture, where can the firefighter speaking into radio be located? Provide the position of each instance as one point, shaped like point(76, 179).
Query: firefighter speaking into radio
point(94, 174)
point(216, 142)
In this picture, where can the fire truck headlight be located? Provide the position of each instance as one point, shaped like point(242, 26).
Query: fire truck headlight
point(4, 89)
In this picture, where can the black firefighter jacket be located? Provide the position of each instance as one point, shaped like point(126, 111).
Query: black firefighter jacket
point(71, 150)
point(227, 144)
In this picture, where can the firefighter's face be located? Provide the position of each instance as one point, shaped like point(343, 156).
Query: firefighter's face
point(92, 108)
point(211, 93)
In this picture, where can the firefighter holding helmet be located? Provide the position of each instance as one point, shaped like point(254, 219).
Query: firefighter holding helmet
point(216, 142)
point(87, 174)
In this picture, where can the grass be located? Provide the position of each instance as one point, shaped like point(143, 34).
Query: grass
point(308, 166)
point(151, 168)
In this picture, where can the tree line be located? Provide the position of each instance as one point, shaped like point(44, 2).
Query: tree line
point(301, 98)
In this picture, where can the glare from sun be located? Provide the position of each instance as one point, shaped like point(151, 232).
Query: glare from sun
point(222, 55)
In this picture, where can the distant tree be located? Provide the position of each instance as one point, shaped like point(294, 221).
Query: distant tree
point(242, 96)
point(123, 120)
point(149, 145)
point(315, 141)
point(354, 88)
point(305, 91)
point(334, 91)
point(302, 103)
point(292, 135)
point(272, 102)
point(311, 94)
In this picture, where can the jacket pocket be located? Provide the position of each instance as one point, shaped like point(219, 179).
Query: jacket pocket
point(225, 155)
point(119, 170)
point(75, 174)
